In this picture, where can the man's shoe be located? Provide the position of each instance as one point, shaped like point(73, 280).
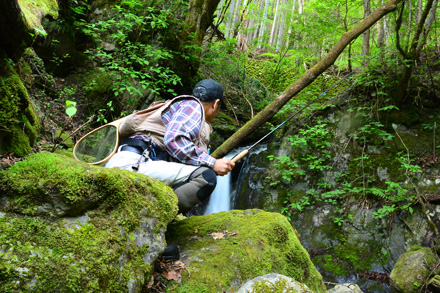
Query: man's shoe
point(171, 252)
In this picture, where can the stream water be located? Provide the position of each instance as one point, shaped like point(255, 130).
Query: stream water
point(224, 195)
point(220, 200)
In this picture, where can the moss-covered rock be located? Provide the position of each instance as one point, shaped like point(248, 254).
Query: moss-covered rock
point(35, 10)
point(68, 226)
point(412, 270)
point(222, 251)
point(18, 121)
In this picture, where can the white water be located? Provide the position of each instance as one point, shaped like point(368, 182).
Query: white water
point(220, 200)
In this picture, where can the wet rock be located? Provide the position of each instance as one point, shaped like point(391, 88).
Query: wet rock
point(412, 270)
point(345, 288)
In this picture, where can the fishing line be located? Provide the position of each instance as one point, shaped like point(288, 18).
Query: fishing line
point(246, 151)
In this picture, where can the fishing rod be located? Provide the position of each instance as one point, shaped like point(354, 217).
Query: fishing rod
point(246, 151)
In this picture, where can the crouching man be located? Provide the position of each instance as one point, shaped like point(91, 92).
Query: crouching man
point(169, 141)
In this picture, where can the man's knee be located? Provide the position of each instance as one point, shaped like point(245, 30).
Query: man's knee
point(210, 178)
point(199, 187)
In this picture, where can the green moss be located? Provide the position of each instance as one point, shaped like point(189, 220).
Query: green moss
point(18, 121)
point(264, 243)
point(65, 138)
point(280, 286)
point(99, 255)
point(34, 10)
point(77, 184)
point(349, 257)
point(97, 83)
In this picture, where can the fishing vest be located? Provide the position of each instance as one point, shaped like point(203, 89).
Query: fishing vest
point(149, 123)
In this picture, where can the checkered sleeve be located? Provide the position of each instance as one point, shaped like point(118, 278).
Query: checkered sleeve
point(183, 122)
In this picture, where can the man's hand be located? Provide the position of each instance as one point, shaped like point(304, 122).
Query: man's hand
point(223, 166)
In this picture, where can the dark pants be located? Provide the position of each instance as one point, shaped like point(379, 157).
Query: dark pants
point(197, 188)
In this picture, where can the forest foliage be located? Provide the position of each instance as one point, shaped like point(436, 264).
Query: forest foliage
point(256, 49)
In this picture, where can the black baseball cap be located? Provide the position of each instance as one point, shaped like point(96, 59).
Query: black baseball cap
point(209, 90)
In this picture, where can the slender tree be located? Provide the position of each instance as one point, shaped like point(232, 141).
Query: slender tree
point(274, 24)
point(263, 22)
point(366, 36)
point(428, 24)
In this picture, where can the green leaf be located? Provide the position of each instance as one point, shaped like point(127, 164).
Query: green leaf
point(70, 104)
point(70, 111)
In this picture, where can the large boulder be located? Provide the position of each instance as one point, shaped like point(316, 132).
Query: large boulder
point(68, 226)
point(222, 251)
point(412, 270)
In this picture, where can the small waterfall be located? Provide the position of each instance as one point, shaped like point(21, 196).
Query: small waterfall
point(220, 200)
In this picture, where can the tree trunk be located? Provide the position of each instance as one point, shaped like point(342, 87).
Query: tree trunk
point(381, 32)
point(428, 25)
point(366, 36)
point(281, 28)
point(410, 56)
point(274, 24)
point(270, 110)
point(200, 15)
point(263, 21)
point(289, 33)
point(300, 6)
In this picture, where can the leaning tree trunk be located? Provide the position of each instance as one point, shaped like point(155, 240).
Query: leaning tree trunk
point(270, 110)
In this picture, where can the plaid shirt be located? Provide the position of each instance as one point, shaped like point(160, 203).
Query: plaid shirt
point(183, 121)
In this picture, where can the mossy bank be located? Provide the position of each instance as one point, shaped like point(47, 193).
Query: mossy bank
point(224, 250)
point(70, 226)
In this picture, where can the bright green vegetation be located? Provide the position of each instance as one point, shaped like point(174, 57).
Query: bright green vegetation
point(383, 166)
point(43, 248)
point(134, 64)
point(262, 243)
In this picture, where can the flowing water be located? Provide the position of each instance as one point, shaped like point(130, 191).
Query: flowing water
point(220, 200)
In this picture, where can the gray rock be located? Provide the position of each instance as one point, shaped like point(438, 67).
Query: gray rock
point(274, 281)
point(345, 288)
point(412, 269)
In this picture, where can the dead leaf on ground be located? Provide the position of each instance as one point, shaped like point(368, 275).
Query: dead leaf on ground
point(173, 270)
point(172, 275)
point(222, 234)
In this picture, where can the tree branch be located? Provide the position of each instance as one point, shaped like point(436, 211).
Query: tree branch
point(270, 110)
